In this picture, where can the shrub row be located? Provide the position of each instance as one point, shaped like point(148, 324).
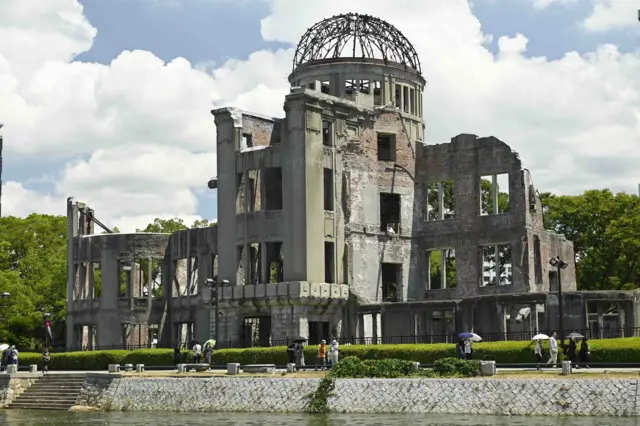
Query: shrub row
point(611, 350)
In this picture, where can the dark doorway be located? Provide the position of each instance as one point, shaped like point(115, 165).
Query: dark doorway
point(318, 331)
point(553, 281)
point(256, 331)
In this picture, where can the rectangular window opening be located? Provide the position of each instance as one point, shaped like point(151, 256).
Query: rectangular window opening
point(412, 101)
point(247, 141)
point(275, 262)
point(350, 86)
point(386, 147)
point(440, 203)
point(405, 93)
point(328, 189)
point(312, 85)
point(325, 87)
point(254, 264)
point(327, 134)
point(494, 194)
point(273, 188)
point(254, 204)
point(377, 93)
point(496, 270)
point(442, 269)
point(239, 193)
point(537, 259)
point(398, 97)
point(365, 86)
point(241, 273)
point(390, 213)
point(391, 275)
point(329, 262)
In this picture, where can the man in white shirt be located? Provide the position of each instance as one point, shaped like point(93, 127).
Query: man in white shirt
point(197, 352)
point(553, 350)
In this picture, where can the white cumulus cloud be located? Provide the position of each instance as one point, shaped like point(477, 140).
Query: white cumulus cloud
point(137, 139)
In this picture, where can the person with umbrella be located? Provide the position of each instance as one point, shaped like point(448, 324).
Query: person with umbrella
point(208, 350)
point(585, 352)
point(299, 351)
point(468, 338)
point(537, 351)
point(291, 353)
point(553, 350)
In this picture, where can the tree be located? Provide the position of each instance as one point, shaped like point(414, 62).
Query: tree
point(486, 194)
point(604, 229)
point(33, 270)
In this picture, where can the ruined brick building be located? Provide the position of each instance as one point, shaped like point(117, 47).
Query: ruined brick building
point(338, 220)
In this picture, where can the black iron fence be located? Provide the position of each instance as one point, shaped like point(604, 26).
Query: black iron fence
point(408, 339)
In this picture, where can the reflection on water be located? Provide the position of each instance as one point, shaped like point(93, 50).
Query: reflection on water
point(53, 418)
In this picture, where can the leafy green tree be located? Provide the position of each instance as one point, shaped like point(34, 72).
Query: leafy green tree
point(33, 270)
point(604, 229)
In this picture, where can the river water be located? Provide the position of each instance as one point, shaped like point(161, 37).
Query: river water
point(65, 418)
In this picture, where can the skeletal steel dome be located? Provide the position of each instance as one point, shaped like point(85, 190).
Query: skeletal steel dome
point(355, 36)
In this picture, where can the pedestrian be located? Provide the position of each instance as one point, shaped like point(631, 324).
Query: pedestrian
point(333, 352)
point(572, 352)
point(197, 352)
point(13, 357)
point(553, 350)
point(468, 349)
point(208, 351)
point(585, 352)
point(538, 352)
point(45, 361)
point(299, 354)
point(5, 359)
point(322, 355)
point(177, 356)
point(291, 353)
point(460, 349)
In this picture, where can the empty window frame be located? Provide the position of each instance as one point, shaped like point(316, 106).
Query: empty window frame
point(350, 86)
point(441, 271)
point(247, 141)
point(325, 87)
point(386, 147)
point(496, 265)
point(329, 262)
point(412, 101)
point(327, 133)
point(390, 213)
point(275, 261)
point(365, 86)
point(440, 201)
point(405, 98)
point(328, 189)
point(398, 95)
point(537, 259)
point(494, 194)
point(377, 92)
point(391, 276)
point(240, 193)
point(273, 188)
point(312, 85)
point(253, 187)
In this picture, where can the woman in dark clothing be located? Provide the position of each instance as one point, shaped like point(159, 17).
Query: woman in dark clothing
point(460, 349)
point(291, 353)
point(572, 353)
point(584, 353)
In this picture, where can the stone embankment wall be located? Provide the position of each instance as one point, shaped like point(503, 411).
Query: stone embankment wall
point(11, 386)
point(438, 396)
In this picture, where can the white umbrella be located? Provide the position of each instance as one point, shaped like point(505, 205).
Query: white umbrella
point(540, 337)
point(475, 337)
point(4, 347)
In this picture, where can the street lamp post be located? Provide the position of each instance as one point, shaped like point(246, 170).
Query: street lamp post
point(214, 284)
point(559, 264)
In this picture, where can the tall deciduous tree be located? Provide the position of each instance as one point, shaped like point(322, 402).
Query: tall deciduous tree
point(605, 230)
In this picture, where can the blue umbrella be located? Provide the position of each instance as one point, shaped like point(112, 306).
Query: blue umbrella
point(472, 336)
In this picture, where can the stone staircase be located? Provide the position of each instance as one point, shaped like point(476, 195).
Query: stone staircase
point(51, 392)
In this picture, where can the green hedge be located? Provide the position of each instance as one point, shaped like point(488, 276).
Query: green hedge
point(612, 350)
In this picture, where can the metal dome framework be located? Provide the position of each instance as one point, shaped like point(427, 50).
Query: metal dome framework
point(366, 36)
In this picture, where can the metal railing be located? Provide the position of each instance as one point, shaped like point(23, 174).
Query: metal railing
point(592, 334)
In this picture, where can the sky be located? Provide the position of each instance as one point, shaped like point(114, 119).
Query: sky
point(109, 101)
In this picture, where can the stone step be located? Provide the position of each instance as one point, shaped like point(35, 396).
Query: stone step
point(56, 385)
point(45, 400)
point(38, 406)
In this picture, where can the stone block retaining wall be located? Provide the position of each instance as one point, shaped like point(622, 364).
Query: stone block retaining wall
point(438, 396)
point(11, 386)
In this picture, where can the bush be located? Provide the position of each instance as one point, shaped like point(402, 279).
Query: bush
point(455, 367)
point(375, 368)
point(611, 350)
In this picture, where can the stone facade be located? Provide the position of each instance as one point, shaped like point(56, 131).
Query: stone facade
point(11, 386)
point(576, 397)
